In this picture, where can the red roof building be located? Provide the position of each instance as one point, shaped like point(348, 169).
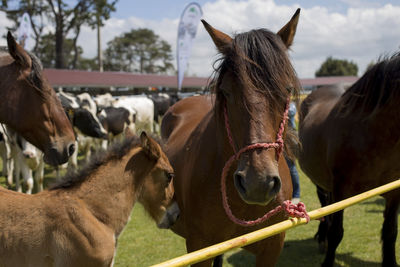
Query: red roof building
point(110, 80)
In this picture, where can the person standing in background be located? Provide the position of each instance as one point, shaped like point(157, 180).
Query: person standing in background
point(291, 164)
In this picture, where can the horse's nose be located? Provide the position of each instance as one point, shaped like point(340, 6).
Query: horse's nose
point(71, 149)
point(257, 189)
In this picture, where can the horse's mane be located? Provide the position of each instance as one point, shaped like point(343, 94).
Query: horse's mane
point(377, 88)
point(260, 61)
point(115, 152)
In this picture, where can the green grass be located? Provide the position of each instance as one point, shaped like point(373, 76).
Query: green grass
point(143, 244)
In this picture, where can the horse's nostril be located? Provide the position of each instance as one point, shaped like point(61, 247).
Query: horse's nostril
point(239, 182)
point(275, 184)
point(71, 149)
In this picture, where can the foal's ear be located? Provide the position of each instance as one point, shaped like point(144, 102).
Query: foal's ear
point(221, 40)
point(150, 147)
point(289, 30)
point(17, 52)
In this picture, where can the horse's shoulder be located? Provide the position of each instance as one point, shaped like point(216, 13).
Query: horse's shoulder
point(184, 115)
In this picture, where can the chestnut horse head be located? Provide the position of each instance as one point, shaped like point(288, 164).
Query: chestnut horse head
point(30, 105)
point(253, 83)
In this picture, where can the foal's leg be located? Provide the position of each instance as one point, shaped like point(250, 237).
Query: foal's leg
point(335, 235)
point(389, 229)
point(321, 235)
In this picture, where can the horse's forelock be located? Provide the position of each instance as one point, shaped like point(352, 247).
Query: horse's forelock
point(259, 60)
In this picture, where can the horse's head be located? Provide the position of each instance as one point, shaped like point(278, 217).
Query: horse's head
point(34, 110)
point(253, 83)
point(157, 192)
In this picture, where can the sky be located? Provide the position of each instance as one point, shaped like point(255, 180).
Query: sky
point(357, 30)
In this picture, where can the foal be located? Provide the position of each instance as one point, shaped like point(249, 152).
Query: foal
point(77, 222)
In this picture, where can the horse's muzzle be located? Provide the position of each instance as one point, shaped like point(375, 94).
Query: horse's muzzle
point(260, 190)
point(54, 156)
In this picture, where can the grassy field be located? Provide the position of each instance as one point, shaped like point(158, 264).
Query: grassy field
point(142, 244)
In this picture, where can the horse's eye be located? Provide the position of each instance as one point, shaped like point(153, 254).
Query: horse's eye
point(170, 176)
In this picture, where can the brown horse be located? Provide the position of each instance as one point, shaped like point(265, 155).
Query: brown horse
point(30, 106)
point(252, 83)
point(351, 144)
point(78, 221)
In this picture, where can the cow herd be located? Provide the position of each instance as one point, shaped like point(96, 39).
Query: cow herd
point(97, 121)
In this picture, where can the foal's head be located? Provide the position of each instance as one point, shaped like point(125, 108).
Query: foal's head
point(157, 191)
point(253, 82)
point(34, 110)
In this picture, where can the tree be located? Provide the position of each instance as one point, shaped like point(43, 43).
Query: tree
point(72, 54)
point(337, 67)
point(36, 10)
point(139, 50)
point(67, 16)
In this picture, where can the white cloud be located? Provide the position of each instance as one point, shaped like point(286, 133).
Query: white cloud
point(4, 22)
point(361, 34)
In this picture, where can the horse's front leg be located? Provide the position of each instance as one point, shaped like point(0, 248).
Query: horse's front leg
point(321, 235)
point(270, 249)
point(335, 235)
point(195, 243)
point(389, 229)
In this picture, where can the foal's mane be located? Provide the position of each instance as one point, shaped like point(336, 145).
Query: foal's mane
point(116, 152)
point(377, 88)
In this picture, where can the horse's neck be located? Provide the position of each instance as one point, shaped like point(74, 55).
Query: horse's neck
point(111, 191)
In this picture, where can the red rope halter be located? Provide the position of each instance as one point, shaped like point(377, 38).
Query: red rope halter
point(291, 210)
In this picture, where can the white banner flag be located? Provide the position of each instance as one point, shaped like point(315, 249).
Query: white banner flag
point(186, 33)
point(24, 30)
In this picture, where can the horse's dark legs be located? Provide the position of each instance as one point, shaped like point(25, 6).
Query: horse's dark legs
point(218, 261)
point(195, 243)
point(335, 235)
point(321, 235)
point(389, 229)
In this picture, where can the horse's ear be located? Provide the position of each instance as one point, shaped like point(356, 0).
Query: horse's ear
point(289, 30)
point(17, 52)
point(150, 147)
point(221, 40)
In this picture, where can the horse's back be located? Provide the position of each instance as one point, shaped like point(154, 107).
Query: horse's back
point(314, 111)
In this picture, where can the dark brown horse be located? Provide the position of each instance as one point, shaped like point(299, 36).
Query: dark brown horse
point(351, 144)
point(30, 106)
point(253, 82)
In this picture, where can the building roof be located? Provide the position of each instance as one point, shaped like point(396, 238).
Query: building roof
point(80, 78)
point(328, 80)
point(96, 79)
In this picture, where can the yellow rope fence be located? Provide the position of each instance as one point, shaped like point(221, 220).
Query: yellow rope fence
point(247, 239)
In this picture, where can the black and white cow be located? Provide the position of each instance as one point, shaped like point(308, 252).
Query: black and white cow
point(82, 112)
point(162, 102)
point(23, 160)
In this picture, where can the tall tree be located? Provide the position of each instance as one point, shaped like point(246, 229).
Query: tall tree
point(36, 9)
point(140, 50)
point(67, 17)
point(72, 54)
point(337, 67)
